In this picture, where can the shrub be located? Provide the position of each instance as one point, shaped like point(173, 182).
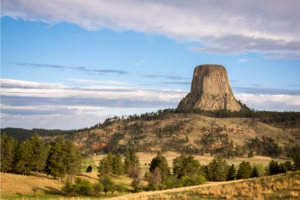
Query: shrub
point(89, 169)
point(154, 187)
point(98, 187)
point(68, 188)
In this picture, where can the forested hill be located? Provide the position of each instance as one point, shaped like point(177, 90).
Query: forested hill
point(21, 134)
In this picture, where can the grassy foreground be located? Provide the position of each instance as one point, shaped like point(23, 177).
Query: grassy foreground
point(282, 186)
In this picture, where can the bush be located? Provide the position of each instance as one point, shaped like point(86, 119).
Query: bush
point(154, 187)
point(89, 169)
point(68, 188)
point(98, 187)
point(190, 181)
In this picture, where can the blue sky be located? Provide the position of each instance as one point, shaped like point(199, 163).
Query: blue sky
point(71, 64)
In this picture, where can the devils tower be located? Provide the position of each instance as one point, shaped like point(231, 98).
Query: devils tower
point(210, 90)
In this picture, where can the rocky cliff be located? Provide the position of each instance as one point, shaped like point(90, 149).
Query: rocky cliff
point(210, 90)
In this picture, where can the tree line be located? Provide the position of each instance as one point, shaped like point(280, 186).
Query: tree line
point(32, 155)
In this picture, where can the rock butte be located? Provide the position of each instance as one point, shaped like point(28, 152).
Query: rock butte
point(210, 90)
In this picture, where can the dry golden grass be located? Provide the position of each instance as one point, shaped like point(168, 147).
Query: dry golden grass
point(17, 185)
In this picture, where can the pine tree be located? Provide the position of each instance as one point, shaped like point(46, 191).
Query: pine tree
point(274, 167)
point(244, 171)
point(25, 158)
point(160, 162)
point(56, 159)
point(127, 162)
point(296, 160)
point(178, 164)
point(118, 165)
point(39, 152)
point(135, 161)
point(231, 173)
point(9, 148)
point(250, 155)
point(105, 167)
point(73, 159)
point(254, 172)
point(110, 157)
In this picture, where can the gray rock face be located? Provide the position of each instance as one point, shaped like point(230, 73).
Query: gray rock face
point(210, 90)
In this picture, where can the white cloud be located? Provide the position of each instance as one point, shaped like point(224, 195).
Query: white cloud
point(105, 82)
point(30, 104)
point(271, 102)
point(245, 60)
point(57, 121)
point(18, 88)
point(229, 27)
point(53, 107)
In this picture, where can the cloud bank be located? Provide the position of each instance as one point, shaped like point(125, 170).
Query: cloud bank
point(30, 104)
point(222, 27)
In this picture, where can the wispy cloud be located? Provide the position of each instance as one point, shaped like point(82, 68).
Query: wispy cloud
point(267, 91)
point(139, 63)
point(164, 76)
point(82, 69)
point(105, 82)
point(177, 83)
point(245, 26)
point(245, 60)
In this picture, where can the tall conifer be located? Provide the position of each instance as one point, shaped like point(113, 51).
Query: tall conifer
point(55, 162)
point(25, 158)
point(135, 161)
point(73, 158)
point(118, 165)
point(9, 147)
point(39, 153)
point(127, 162)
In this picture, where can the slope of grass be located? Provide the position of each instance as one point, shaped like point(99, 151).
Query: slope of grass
point(272, 187)
point(15, 186)
point(239, 130)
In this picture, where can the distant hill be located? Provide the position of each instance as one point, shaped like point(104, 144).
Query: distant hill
point(22, 134)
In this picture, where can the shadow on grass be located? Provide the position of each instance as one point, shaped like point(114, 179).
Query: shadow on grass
point(83, 175)
point(51, 190)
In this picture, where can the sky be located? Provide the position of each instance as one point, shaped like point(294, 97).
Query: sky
point(69, 64)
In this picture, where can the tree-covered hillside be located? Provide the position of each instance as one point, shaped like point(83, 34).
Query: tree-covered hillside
point(21, 134)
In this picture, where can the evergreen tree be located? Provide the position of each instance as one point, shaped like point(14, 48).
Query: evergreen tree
point(254, 172)
point(118, 165)
point(135, 161)
point(105, 168)
point(218, 169)
point(127, 162)
point(9, 148)
point(161, 162)
point(231, 173)
point(110, 158)
point(250, 154)
point(56, 160)
point(73, 159)
point(244, 171)
point(296, 160)
point(25, 158)
point(288, 165)
point(39, 153)
point(274, 167)
point(178, 164)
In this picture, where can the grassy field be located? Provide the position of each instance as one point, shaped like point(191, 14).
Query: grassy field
point(19, 186)
point(282, 186)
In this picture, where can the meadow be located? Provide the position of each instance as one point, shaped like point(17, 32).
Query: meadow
point(281, 186)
